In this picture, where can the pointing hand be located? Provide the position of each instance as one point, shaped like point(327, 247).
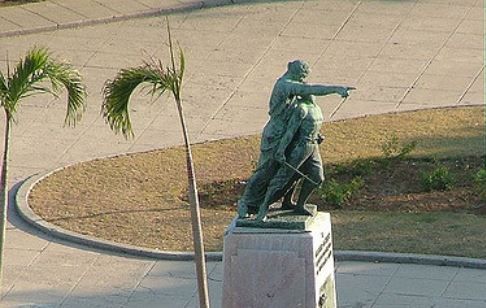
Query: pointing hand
point(344, 91)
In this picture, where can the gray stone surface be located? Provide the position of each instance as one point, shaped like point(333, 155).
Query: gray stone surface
point(25, 18)
point(279, 267)
point(398, 45)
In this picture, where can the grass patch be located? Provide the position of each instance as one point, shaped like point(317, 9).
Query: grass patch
point(140, 198)
point(443, 233)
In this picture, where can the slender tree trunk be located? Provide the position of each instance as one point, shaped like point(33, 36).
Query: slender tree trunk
point(4, 195)
point(202, 282)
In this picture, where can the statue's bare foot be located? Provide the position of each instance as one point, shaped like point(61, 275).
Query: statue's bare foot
point(307, 209)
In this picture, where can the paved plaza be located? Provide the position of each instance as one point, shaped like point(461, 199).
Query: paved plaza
point(400, 55)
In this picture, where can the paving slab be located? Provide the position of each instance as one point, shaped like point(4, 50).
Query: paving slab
point(425, 272)
point(402, 55)
point(124, 7)
point(464, 55)
point(439, 82)
point(21, 257)
point(24, 18)
point(392, 79)
point(424, 35)
point(158, 4)
point(426, 10)
point(472, 98)
point(439, 24)
point(343, 62)
point(8, 26)
point(43, 285)
point(396, 65)
point(416, 286)
point(411, 301)
point(466, 290)
point(359, 290)
point(353, 108)
point(431, 96)
point(18, 239)
point(90, 9)
point(385, 7)
point(409, 51)
point(55, 13)
point(368, 92)
point(466, 40)
point(471, 27)
point(471, 276)
point(454, 67)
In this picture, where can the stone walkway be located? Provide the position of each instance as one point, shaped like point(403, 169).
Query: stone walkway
point(401, 55)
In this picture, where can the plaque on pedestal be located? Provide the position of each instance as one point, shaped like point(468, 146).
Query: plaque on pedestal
point(276, 267)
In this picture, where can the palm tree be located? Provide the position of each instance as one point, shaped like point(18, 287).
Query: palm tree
point(38, 72)
point(156, 77)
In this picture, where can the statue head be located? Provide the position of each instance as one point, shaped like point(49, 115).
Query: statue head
point(298, 69)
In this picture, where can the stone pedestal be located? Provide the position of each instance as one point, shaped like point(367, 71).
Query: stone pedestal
point(272, 267)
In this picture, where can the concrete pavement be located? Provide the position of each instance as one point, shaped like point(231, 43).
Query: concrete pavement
point(401, 55)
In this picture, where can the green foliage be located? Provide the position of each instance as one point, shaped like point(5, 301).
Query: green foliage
point(27, 79)
point(152, 76)
point(480, 183)
point(358, 167)
point(393, 149)
point(337, 193)
point(438, 179)
point(362, 167)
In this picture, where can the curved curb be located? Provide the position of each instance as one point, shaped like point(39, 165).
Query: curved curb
point(22, 207)
point(194, 5)
point(409, 258)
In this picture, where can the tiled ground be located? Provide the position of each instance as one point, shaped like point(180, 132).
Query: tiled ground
point(401, 55)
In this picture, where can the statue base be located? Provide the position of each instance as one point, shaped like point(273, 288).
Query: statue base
point(277, 267)
point(279, 219)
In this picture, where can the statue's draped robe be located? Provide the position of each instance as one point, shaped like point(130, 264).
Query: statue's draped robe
point(300, 143)
point(282, 103)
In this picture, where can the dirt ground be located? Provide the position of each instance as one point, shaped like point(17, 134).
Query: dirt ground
point(140, 198)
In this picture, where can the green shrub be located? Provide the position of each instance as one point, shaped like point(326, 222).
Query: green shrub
point(438, 179)
point(358, 167)
point(393, 149)
point(362, 167)
point(336, 193)
point(480, 183)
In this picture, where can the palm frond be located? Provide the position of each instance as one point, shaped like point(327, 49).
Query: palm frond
point(178, 75)
point(3, 88)
point(117, 93)
point(63, 75)
point(182, 64)
point(27, 72)
point(36, 67)
point(152, 75)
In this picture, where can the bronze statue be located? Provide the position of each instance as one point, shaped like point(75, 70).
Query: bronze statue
point(289, 142)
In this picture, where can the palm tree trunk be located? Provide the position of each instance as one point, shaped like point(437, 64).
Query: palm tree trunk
point(199, 256)
point(4, 189)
